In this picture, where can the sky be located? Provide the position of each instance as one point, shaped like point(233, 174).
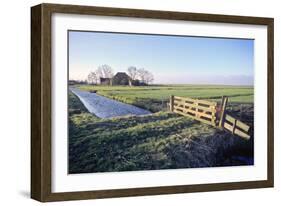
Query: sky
point(171, 59)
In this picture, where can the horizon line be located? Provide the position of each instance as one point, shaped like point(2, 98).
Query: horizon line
point(169, 84)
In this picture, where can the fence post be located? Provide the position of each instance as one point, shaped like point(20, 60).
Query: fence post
point(223, 107)
point(196, 108)
point(241, 111)
point(234, 126)
point(172, 103)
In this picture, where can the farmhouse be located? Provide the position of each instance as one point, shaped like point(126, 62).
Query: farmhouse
point(120, 78)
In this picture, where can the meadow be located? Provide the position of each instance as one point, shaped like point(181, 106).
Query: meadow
point(155, 98)
point(162, 140)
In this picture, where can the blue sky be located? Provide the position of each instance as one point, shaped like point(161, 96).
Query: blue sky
point(171, 59)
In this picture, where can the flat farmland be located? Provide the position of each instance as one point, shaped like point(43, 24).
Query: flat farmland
point(161, 140)
point(155, 98)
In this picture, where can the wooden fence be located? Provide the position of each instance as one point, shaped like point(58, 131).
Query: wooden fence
point(236, 127)
point(210, 113)
point(201, 110)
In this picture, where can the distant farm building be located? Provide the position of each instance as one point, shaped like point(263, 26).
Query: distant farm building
point(120, 78)
point(105, 81)
point(73, 82)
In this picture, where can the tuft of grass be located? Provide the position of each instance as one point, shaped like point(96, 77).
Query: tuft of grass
point(75, 106)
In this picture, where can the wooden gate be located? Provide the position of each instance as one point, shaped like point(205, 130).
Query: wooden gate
point(210, 113)
point(201, 110)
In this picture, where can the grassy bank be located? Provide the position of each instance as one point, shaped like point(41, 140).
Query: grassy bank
point(162, 140)
point(155, 98)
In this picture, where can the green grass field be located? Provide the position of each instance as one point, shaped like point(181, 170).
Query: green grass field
point(155, 98)
point(163, 140)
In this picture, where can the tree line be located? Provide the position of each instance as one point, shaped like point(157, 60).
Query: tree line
point(105, 71)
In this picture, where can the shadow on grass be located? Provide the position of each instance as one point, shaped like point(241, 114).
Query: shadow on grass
point(95, 149)
point(172, 143)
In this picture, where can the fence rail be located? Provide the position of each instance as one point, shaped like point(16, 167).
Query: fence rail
point(210, 113)
point(236, 127)
point(198, 109)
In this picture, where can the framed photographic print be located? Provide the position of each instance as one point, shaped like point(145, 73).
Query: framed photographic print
point(130, 102)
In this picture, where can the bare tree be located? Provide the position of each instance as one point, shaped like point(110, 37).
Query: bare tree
point(92, 78)
point(145, 76)
point(141, 74)
point(104, 71)
point(149, 78)
point(132, 72)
